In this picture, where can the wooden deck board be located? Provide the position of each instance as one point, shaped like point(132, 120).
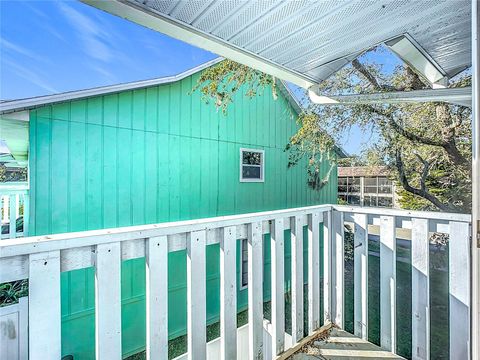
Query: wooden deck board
point(341, 345)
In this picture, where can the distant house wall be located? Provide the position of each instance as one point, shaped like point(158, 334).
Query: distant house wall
point(366, 186)
point(147, 156)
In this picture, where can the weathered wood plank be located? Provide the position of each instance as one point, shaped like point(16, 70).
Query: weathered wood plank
point(459, 288)
point(338, 267)
point(228, 294)
point(327, 267)
point(44, 306)
point(108, 317)
point(278, 286)
point(196, 296)
point(156, 262)
point(420, 290)
point(313, 272)
point(360, 284)
point(387, 283)
point(255, 291)
point(297, 279)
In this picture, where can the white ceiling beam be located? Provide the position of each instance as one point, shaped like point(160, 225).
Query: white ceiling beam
point(459, 96)
point(157, 21)
point(418, 59)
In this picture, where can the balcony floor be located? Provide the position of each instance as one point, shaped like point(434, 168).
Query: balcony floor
point(341, 345)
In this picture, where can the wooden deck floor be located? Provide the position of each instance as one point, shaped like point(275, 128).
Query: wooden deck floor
point(341, 345)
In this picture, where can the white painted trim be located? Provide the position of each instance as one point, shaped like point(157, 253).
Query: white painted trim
point(262, 166)
point(461, 96)
point(29, 103)
point(475, 244)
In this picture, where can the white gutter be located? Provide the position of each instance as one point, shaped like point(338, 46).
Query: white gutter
point(460, 96)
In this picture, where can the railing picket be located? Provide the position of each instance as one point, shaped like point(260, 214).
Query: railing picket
point(255, 291)
point(13, 219)
point(156, 262)
point(44, 319)
point(313, 272)
point(228, 294)
point(420, 290)
point(327, 267)
point(459, 288)
point(196, 296)
point(278, 286)
point(387, 283)
point(108, 319)
point(297, 279)
point(338, 267)
point(360, 283)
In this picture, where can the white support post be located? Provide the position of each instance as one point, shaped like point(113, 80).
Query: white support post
point(6, 208)
point(313, 272)
point(297, 279)
point(459, 272)
point(475, 245)
point(387, 283)
point(338, 267)
point(420, 290)
point(360, 283)
point(278, 286)
point(327, 267)
point(26, 213)
point(108, 307)
point(228, 294)
point(156, 262)
point(13, 219)
point(255, 291)
point(44, 320)
point(17, 205)
point(196, 296)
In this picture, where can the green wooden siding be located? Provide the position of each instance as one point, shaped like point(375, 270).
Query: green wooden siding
point(147, 156)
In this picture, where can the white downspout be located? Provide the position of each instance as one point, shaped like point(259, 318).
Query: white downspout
point(475, 288)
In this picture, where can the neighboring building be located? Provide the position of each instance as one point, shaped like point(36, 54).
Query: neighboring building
point(150, 152)
point(366, 186)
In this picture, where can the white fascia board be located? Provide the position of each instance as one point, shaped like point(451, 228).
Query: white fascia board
point(29, 103)
point(162, 23)
point(460, 96)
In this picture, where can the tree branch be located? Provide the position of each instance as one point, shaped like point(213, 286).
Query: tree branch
point(422, 192)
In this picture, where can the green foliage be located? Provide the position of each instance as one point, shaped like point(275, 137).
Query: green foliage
point(427, 146)
point(219, 83)
point(10, 292)
point(12, 174)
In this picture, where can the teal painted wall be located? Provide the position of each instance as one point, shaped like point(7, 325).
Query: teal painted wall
point(147, 156)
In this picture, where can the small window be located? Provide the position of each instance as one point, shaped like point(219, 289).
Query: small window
point(251, 165)
point(243, 264)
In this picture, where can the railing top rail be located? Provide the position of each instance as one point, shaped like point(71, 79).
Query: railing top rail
point(404, 213)
point(13, 186)
point(36, 244)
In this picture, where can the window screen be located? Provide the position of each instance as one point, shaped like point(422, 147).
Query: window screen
point(251, 165)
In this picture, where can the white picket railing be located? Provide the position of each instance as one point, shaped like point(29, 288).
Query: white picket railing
point(43, 258)
point(14, 205)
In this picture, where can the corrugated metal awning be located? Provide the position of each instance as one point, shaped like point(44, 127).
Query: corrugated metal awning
point(306, 41)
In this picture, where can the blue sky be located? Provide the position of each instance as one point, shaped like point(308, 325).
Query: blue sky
point(49, 47)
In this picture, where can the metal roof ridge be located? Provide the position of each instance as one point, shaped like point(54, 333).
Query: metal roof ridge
point(29, 103)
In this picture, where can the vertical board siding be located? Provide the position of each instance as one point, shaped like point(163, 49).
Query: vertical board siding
point(147, 156)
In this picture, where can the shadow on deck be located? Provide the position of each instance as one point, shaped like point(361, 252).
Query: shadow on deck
point(341, 345)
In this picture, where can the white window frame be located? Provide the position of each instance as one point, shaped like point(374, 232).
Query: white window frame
point(240, 280)
point(262, 165)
